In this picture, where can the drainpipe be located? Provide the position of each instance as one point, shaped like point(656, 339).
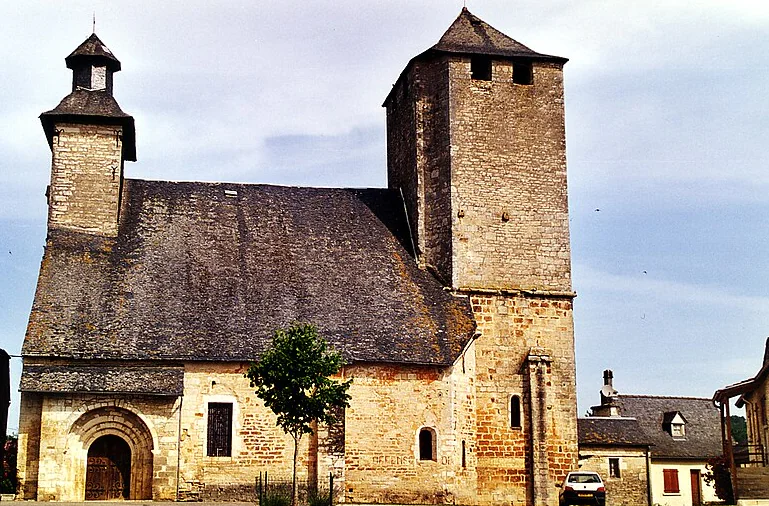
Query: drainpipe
point(648, 476)
point(179, 445)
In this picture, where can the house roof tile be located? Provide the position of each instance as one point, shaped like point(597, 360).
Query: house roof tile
point(703, 426)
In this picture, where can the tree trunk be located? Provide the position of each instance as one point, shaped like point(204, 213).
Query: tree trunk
point(293, 482)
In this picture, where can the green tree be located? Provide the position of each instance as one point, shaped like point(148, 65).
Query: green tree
point(739, 429)
point(293, 380)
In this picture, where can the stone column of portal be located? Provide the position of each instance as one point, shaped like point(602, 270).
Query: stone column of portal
point(538, 362)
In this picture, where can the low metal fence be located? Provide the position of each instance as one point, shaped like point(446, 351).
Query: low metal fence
point(276, 491)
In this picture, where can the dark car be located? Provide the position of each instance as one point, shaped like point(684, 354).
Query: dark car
point(582, 487)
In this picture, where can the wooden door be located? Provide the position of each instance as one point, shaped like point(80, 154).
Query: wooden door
point(696, 487)
point(108, 474)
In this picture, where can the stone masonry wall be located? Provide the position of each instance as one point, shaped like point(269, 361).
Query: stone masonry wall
point(508, 180)
point(86, 177)
point(630, 488)
point(402, 173)
point(31, 407)
point(390, 404)
point(70, 423)
point(418, 158)
point(434, 164)
point(258, 445)
point(511, 327)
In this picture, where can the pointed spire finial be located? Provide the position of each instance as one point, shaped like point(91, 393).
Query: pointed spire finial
point(94, 22)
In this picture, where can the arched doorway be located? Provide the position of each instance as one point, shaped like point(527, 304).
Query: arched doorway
point(89, 440)
point(108, 474)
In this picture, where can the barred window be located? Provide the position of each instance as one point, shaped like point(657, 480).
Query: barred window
point(219, 429)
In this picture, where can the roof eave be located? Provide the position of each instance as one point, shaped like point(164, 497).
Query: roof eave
point(50, 118)
point(432, 52)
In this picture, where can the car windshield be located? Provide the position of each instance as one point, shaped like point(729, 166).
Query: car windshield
point(584, 478)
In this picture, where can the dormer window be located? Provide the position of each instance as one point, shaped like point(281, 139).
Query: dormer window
point(674, 424)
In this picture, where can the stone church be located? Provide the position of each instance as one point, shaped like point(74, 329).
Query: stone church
point(448, 293)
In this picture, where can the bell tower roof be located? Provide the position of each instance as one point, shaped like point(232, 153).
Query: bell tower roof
point(469, 34)
point(92, 51)
point(91, 100)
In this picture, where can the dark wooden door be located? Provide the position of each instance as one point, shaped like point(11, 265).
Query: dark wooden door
point(108, 475)
point(696, 487)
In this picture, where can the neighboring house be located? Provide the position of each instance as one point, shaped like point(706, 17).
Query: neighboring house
point(682, 433)
point(616, 448)
point(750, 474)
point(448, 294)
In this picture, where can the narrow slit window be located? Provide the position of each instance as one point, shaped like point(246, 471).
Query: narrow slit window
point(219, 442)
point(427, 444)
point(515, 412)
point(523, 73)
point(480, 68)
point(464, 454)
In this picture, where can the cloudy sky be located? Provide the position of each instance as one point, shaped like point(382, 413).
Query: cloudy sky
point(667, 134)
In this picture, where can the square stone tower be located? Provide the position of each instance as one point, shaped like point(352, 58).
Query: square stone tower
point(476, 145)
point(90, 138)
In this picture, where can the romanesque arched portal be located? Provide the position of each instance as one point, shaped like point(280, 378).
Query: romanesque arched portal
point(119, 454)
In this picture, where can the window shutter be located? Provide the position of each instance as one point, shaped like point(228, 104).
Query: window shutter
point(671, 481)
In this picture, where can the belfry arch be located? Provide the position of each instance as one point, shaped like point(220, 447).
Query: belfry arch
point(114, 444)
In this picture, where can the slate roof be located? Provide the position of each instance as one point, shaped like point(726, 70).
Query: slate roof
point(469, 34)
point(94, 108)
point(611, 431)
point(165, 381)
point(703, 425)
point(93, 49)
point(207, 271)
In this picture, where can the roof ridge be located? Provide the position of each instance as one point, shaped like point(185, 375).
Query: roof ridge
point(648, 396)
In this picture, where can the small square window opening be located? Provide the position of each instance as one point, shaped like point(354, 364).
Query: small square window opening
point(480, 68)
point(614, 471)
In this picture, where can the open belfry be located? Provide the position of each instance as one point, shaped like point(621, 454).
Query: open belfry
point(448, 294)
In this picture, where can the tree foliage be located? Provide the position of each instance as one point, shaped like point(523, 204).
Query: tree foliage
point(293, 378)
point(8, 480)
point(739, 429)
point(719, 476)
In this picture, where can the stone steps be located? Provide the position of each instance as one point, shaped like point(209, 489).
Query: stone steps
point(753, 483)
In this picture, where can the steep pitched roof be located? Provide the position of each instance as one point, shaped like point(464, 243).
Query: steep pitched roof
point(611, 431)
point(205, 271)
point(703, 425)
point(469, 34)
point(93, 49)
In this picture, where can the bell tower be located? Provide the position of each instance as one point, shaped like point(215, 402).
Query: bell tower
point(90, 138)
point(476, 145)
